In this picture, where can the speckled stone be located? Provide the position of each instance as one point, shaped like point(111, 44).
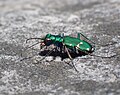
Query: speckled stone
point(99, 20)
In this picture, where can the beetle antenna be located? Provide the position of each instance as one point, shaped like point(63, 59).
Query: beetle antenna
point(33, 38)
point(28, 48)
point(32, 45)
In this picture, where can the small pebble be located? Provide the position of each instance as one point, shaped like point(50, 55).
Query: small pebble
point(49, 58)
point(57, 59)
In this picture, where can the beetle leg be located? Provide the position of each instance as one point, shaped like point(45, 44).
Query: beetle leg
point(46, 55)
point(30, 56)
point(30, 47)
point(27, 58)
point(70, 59)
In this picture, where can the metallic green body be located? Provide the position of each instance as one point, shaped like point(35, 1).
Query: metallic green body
point(55, 38)
point(70, 42)
point(75, 42)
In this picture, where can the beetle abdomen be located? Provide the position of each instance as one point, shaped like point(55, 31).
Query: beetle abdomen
point(75, 42)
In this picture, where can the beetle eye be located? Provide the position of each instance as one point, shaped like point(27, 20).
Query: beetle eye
point(47, 42)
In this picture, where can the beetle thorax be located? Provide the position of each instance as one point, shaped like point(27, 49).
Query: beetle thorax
point(55, 38)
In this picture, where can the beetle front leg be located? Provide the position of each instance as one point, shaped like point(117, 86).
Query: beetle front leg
point(46, 55)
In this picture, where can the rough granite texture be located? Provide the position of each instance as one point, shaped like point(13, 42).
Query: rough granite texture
point(22, 19)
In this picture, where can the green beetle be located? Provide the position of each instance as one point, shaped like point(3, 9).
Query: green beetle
point(69, 42)
point(66, 44)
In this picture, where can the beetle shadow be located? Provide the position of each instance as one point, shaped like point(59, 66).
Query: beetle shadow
point(62, 55)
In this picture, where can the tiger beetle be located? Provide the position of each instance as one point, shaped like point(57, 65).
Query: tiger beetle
point(66, 44)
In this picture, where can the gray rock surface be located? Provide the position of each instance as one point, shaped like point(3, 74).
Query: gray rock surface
point(22, 19)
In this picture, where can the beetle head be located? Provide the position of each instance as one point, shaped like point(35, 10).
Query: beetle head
point(46, 40)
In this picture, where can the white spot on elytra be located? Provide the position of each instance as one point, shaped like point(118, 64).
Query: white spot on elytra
point(88, 49)
point(78, 45)
point(81, 43)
